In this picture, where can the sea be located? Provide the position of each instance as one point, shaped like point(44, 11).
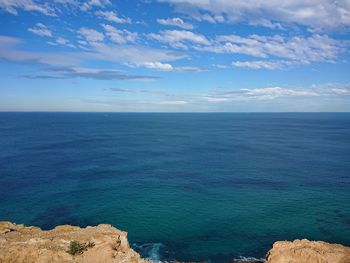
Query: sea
point(186, 186)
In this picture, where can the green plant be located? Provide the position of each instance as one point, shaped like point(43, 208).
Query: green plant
point(76, 248)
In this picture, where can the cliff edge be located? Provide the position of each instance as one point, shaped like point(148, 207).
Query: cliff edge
point(65, 244)
point(106, 244)
point(305, 251)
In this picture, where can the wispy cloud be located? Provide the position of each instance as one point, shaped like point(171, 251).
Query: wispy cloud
point(250, 94)
point(261, 64)
point(318, 15)
point(64, 42)
point(10, 51)
point(173, 102)
point(272, 98)
point(125, 54)
point(50, 8)
point(176, 21)
point(294, 50)
point(112, 17)
point(94, 3)
point(179, 38)
point(298, 48)
point(191, 69)
point(91, 36)
point(13, 6)
point(40, 30)
point(273, 93)
point(120, 36)
point(88, 73)
point(159, 93)
point(134, 55)
point(158, 66)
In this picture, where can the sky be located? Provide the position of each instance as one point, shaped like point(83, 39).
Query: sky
point(175, 55)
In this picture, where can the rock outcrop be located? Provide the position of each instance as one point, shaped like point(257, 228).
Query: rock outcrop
point(106, 244)
point(305, 251)
point(32, 245)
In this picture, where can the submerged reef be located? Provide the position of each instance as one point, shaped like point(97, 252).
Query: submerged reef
point(104, 243)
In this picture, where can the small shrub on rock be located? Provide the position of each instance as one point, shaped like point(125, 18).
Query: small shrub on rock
point(76, 248)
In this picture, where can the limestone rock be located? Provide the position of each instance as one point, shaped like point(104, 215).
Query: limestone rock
point(19, 243)
point(305, 251)
point(33, 245)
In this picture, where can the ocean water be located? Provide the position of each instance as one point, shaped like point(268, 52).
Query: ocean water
point(185, 186)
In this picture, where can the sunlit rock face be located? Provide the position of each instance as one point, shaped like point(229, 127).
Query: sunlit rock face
point(19, 243)
point(31, 244)
point(305, 251)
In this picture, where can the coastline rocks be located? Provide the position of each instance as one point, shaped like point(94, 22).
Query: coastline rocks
point(33, 245)
point(305, 251)
point(106, 244)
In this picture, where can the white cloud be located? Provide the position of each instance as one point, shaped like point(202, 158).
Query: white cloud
point(12, 7)
point(168, 67)
point(341, 91)
point(179, 38)
point(267, 96)
point(89, 73)
point(276, 92)
point(263, 98)
point(220, 66)
point(190, 69)
point(67, 2)
point(302, 49)
point(315, 14)
point(6, 41)
point(266, 23)
point(40, 30)
point(268, 93)
point(210, 18)
point(112, 16)
point(158, 66)
point(293, 50)
point(124, 54)
point(133, 54)
point(92, 36)
point(260, 64)
point(273, 93)
point(94, 3)
point(332, 89)
point(10, 52)
point(64, 42)
point(176, 21)
point(173, 102)
point(120, 36)
point(50, 7)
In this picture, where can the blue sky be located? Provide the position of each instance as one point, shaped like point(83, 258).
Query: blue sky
point(174, 55)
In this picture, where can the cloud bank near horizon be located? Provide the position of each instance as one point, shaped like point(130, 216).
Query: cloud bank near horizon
point(210, 55)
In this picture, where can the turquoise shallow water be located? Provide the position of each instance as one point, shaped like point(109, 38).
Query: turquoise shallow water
point(185, 186)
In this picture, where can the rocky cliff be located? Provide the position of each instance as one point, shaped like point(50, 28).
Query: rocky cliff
point(305, 251)
point(106, 244)
point(65, 244)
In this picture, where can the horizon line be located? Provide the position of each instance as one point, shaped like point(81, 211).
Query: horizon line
point(165, 112)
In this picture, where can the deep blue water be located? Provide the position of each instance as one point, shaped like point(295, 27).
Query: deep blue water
point(195, 186)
